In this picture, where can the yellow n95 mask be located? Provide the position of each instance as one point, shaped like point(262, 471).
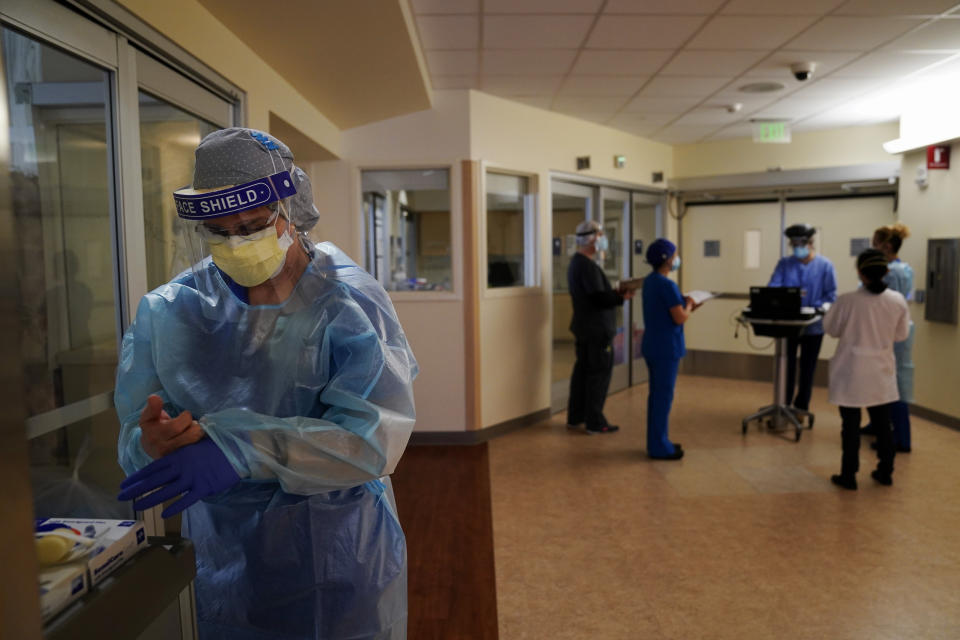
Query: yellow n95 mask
point(252, 259)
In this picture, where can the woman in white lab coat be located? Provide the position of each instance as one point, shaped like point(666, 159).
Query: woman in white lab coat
point(863, 370)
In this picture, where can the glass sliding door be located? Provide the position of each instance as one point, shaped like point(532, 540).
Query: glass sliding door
point(616, 266)
point(571, 205)
point(60, 112)
point(645, 228)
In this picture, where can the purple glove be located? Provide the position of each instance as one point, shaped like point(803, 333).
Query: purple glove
point(196, 470)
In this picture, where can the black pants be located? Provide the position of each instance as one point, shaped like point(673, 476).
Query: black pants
point(850, 434)
point(809, 352)
point(589, 383)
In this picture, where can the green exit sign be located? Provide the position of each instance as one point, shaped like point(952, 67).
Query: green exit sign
point(771, 131)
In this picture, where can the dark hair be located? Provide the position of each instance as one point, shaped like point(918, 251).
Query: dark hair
point(872, 265)
point(892, 234)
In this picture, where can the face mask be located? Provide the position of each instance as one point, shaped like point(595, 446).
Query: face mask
point(253, 259)
point(801, 252)
point(602, 243)
point(675, 264)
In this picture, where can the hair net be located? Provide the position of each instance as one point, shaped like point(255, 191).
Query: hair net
point(237, 155)
point(586, 232)
point(659, 250)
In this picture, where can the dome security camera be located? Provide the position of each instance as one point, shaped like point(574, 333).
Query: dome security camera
point(803, 70)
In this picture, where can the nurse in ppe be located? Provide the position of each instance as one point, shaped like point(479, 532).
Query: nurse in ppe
point(270, 388)
point(889, 239)
point(867, 321)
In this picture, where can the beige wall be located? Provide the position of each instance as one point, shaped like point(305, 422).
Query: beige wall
point(516, 326)
point(931, 213)
point(433, 322)
point(837, 221)
point(192, 27)
point(807, 150)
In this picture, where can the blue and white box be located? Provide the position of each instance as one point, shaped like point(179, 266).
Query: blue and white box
point(115, 542)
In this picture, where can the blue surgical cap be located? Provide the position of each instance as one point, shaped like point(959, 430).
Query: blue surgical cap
point(659, 250)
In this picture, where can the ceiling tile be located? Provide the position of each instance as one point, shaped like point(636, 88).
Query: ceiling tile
point(642, 32)
point(593, 104)
point(621, 62)
point(646, 120)
point(445, 6)
point(540, 102)
point(851, 34)
point(778, 65)
point(834, 86)
point(942, 34)
point(663, 7)
point(721, 63)
point(541, 6)
point(535, 32)
point(895, 7)
point(684, 134)
point(749, 32)
point(642, 130)
point(734, 87)
point(449, 32)
point(829, 120)
point(797, 108)
point(708, 116)
point(740, 130)
point(455, 82)
point(554, 61)
point(660, 105)
point(780, 7)
point(602, 85)
point(889, 64)
point(661, 87)
point(521, 85)
point(452, 62)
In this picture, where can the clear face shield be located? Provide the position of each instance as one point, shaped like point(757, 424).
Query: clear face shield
point(245, 230)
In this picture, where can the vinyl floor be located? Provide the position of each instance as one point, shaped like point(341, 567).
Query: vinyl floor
point(744, 538)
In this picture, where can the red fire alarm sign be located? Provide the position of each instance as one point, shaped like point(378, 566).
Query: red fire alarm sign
point(938, 156)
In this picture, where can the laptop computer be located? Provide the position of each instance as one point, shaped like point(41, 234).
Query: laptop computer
point(775, 303)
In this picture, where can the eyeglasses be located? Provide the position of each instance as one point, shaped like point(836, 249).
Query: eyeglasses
point(246, 228)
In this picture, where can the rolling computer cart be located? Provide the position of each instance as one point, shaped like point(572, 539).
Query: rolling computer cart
point(780, 417)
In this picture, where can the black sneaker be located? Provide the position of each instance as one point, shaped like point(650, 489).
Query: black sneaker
point(883, 478)
point(676, 455)
point(574, 426)
point(607, 428)
point(847, 482)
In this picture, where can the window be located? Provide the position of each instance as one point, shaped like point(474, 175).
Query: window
point(168, 138)
point(511, 240)
point(407, 228)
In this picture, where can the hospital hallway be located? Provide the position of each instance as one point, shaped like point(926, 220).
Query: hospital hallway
point(744, 538)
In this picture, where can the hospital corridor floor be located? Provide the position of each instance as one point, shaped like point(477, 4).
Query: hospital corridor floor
point(743, 538)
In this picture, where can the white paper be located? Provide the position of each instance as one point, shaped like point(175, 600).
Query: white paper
point(698, 296)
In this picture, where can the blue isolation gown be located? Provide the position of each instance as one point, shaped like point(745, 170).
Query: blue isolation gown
point(312, 403)
point(818, 279)
point(900, 279)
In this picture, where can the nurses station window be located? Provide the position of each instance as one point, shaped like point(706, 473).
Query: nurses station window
point(511, 231)
point(407, 229)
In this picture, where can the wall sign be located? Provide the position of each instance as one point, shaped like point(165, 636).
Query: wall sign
point(938, 156)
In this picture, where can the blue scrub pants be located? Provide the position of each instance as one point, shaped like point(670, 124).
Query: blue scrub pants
point(663, 379)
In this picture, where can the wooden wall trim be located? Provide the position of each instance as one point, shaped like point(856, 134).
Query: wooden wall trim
point(470, 174)
point(477, 436)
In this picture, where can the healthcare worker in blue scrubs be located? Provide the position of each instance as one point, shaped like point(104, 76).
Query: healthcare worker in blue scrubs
point(270, 388)
point(899, 278)
point(817, 280)
point(665, 310)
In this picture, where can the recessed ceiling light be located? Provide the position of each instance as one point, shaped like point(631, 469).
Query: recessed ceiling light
point(761, 87)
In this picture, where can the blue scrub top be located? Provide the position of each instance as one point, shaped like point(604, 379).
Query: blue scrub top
point(900, 278)
point(662, 337)
point(818, 279)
